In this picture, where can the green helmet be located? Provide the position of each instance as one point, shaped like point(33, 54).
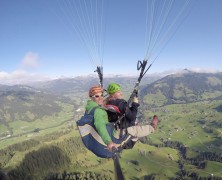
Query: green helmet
point(113, 87)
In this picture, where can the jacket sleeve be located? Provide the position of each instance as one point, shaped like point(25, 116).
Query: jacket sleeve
point(130, 112)
point(100, 121)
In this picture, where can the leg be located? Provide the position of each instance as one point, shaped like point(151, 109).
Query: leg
point(140, 131)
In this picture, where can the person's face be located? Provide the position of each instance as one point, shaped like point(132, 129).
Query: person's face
point(118, 95)
point(98, 98)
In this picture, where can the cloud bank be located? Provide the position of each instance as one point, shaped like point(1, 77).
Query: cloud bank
point(20, 77)
point(31, 62)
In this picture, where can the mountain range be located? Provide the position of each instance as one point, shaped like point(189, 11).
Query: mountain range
point(32, 102)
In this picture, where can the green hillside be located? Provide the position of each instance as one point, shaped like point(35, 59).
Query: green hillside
point(186, 145)
point(183, 88)
point(26, 110)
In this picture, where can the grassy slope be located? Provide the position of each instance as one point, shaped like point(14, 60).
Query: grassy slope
point(23, 130)
point(180, 122)
point(150, 160)
point(177, 122)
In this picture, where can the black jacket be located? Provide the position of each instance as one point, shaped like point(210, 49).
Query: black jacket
point(130, 113)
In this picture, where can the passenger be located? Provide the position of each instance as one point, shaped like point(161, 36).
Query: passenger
point(128, 121)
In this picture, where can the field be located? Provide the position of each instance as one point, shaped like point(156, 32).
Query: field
point(185, 123)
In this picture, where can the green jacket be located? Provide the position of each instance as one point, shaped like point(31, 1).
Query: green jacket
point(100, 120)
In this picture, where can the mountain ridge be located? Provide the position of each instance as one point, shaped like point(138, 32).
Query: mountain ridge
point(185, 88)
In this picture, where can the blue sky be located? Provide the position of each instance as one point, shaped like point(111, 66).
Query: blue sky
point(37, 39)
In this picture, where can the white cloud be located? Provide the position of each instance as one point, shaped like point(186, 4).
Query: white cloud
point(20, 77)
point(204, 70)
point(23, 77)
point(192, 69)
point(30, 61)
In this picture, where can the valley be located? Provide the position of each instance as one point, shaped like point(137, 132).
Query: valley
point(187, 143)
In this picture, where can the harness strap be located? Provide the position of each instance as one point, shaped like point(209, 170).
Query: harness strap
point(91, 112)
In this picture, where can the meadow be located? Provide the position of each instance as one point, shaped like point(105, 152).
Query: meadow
point(177, 123)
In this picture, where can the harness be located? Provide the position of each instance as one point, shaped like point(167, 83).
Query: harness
point(92, 139)
point(118, 116)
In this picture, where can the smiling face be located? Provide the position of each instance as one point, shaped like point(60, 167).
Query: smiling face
point(96, 94)
point(118, 95)
point(98, 98)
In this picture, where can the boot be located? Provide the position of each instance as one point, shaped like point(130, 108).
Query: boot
point(154, 121)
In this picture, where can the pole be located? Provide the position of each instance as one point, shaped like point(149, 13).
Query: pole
point(117, 167)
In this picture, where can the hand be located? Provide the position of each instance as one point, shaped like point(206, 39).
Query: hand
point(135, 99)
point(112, 146)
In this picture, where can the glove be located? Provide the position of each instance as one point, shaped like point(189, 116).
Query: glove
point(135, 99)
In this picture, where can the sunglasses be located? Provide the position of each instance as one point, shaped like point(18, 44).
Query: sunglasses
point(97, 96)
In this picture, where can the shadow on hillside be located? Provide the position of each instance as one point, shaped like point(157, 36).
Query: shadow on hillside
point(218, 108)
point(37, 164)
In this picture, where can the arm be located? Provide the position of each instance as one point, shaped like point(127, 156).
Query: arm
point(100, 121)
point(130, 112)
